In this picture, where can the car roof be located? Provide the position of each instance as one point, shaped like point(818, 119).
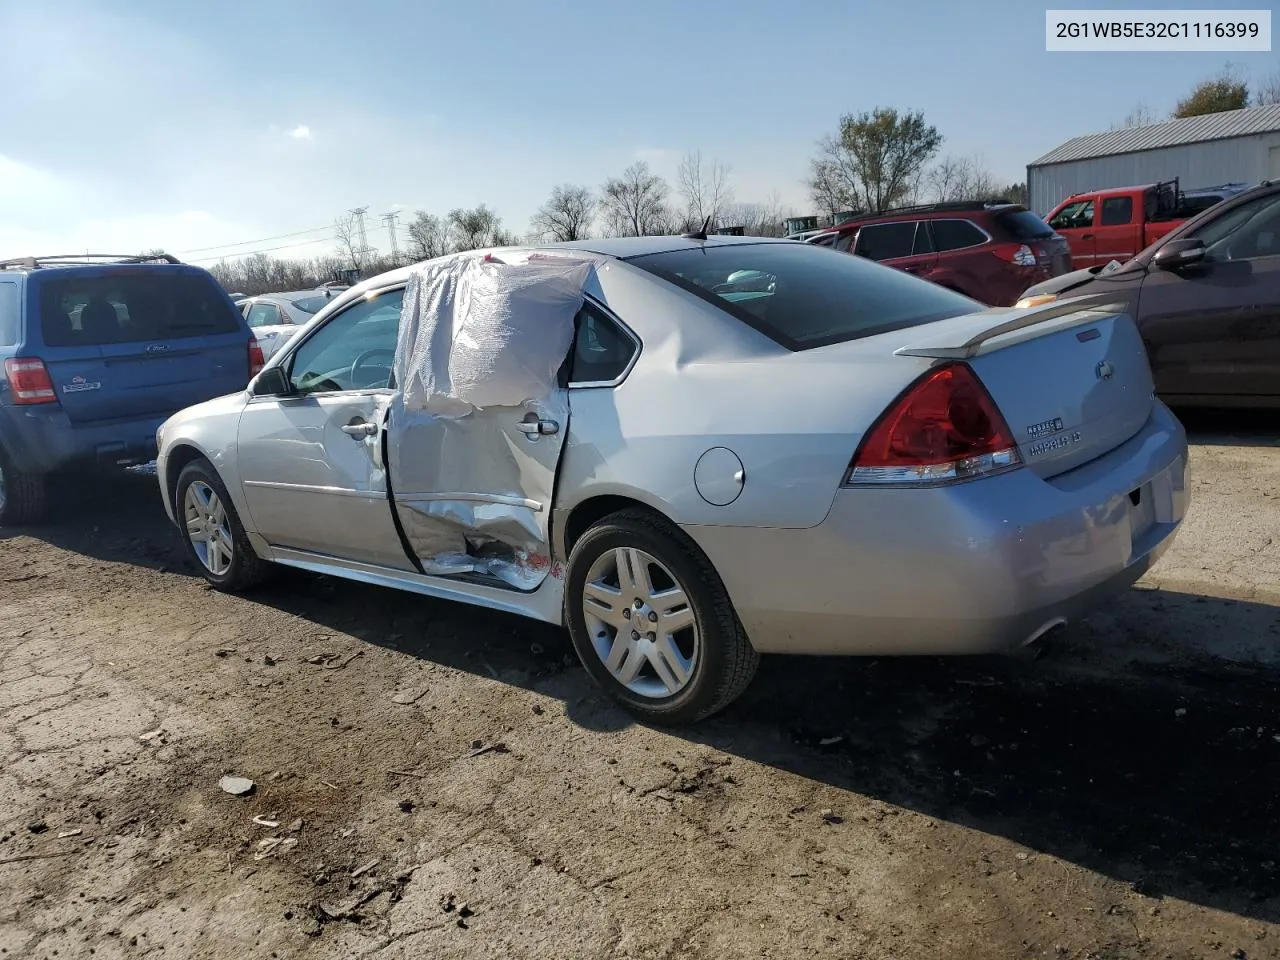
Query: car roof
point(623, 248)
point(1113, 191)
point(290, 296)
point(924, 212)
point(614, 248)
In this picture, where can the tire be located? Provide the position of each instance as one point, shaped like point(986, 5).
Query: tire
point(714, 653)
point(245, 569)
point(23, 496)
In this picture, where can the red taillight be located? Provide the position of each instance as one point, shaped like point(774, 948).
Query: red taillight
point(944, 427)
point(29, 381)
point(1018, 253)
point(256, 363)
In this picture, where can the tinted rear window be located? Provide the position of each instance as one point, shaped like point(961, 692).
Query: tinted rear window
point(311, 304)
point(132, 307)
point(802, 296)
point(1023, 225)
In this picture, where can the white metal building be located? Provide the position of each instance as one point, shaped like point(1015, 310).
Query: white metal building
point(1235, 146)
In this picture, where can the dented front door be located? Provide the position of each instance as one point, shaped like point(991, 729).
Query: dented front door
point(474, 493)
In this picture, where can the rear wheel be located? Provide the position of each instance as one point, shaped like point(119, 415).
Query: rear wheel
point(211, 529)
point(652, 622)
point(22, 495)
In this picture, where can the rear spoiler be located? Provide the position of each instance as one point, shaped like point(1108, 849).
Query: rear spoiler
point(964, 341)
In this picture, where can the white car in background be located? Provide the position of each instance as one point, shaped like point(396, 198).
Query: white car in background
point(275, 317)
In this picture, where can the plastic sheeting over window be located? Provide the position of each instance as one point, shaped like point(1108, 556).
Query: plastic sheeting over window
point(479, 332)
point(480, 415)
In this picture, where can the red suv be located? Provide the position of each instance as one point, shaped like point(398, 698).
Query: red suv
point(990, 252)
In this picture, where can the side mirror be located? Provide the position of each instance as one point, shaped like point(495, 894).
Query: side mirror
point(1177, 254)
point(271, 382)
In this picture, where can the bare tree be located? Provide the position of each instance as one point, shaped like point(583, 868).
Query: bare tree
point(705, 189)
point(1140, 116)
point(827, 183)
point(635, 204)
point(477, 228)
point(566, 215)
point(756, 219)
point(1267, 91)
point(346, 230)
point(961, 178)
point(876, 159)
point(428, 236)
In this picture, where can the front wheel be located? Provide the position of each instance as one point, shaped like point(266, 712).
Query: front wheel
point(22, 495)
point(652, 622)
point(212, 532)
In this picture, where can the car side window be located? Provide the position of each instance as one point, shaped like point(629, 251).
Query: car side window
point(263, 315)
point(1074, 216)
point(956, 235)
point(8, 314)
point(844, 242)
point(886, 241)
point(924, 239)
point(1117, 211)
point(602, 350)
point(1250, 230)
point(355, 350)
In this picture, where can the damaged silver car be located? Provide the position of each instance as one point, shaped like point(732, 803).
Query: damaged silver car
point(691, 451)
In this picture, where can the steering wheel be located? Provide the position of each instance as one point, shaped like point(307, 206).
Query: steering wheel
point(363, 361)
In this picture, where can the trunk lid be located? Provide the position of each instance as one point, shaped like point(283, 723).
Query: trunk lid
point(138, 341)
point(1072, 379)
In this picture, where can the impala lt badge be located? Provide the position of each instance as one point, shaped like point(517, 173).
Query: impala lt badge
point(158, 348)
point(1105, 370)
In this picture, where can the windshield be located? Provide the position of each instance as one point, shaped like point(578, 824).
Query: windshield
point(311, 304)
point(1024, 225)
point(803, 296)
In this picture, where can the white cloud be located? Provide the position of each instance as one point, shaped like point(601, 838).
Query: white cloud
point(301, 132)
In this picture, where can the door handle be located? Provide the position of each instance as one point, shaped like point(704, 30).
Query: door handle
point(537, 428)
point(1087, 236)
point(360, 429)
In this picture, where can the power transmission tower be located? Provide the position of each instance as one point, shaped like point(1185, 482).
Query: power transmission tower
point(390, 220)
point(359, 213)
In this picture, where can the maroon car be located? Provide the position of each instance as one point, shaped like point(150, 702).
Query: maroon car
point(990, 252)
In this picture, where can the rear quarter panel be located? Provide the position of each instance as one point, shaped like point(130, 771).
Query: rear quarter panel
point(705, 380)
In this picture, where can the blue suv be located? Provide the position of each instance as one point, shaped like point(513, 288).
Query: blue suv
point(97, 352)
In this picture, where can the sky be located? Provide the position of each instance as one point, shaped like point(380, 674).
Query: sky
point(138, 124)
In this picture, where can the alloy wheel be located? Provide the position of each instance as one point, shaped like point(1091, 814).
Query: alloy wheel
point(641, 623)
point(208, 528)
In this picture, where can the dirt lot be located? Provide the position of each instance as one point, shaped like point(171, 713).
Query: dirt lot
point(1118, 799)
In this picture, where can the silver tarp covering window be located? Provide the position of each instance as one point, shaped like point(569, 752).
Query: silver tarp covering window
point(480, 412)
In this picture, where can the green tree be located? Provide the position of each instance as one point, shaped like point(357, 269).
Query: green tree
point(875, 160)
point(1225, 92)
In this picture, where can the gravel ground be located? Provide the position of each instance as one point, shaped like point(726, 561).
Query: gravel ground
point(437, 781)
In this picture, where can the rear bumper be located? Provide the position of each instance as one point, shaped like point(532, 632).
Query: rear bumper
point(971, 568)
point(42, 439)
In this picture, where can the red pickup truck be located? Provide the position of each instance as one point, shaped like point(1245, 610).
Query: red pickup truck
point(1106, 225)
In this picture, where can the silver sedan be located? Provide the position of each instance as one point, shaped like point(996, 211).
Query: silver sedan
point(751, 447)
